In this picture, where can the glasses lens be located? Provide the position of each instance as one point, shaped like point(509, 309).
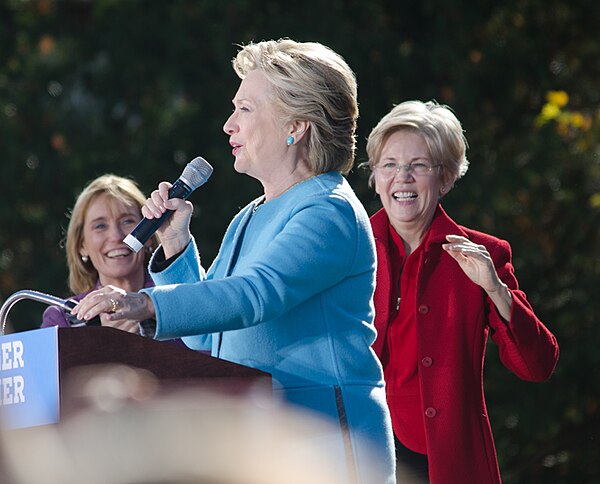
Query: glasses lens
point(390, 169)
point(420, 168)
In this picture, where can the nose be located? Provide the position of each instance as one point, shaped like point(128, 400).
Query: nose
point(116, 232)
point(405, 171)
point(228, 127)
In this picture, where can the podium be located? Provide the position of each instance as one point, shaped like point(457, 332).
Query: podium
point(34, 366)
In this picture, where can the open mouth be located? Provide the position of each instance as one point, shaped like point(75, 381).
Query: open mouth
point(118, 253)
point(404, 196)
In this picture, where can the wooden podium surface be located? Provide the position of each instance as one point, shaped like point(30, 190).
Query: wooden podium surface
point(38, 367)
point(103, 345)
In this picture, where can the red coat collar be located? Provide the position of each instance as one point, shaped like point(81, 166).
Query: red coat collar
point(441, 226)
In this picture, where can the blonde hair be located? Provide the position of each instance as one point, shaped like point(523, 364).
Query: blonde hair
point(82, 275)
point(311, 83)
point(438, 126)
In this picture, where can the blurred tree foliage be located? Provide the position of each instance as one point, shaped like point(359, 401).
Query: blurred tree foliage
point(140, 88)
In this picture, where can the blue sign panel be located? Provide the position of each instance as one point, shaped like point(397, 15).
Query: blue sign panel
point(29, 386)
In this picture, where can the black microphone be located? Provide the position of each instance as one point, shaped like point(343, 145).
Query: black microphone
point(196, 173)
point(69, 305)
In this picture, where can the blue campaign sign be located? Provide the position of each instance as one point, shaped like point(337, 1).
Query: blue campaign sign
point(29, 378)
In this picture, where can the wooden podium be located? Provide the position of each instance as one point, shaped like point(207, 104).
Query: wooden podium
point(34, 366)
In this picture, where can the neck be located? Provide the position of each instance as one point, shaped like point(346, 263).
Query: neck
point(411, 234)
point(283, 183)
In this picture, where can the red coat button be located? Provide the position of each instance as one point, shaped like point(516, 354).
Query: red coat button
point(431, 412)
point(423, 309)
point(427, 362)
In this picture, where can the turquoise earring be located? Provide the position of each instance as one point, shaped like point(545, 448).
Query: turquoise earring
point(290, 140)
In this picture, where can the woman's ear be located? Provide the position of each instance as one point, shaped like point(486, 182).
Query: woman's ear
point(298, 129)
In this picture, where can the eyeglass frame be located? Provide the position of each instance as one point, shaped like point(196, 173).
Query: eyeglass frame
point(408, 167)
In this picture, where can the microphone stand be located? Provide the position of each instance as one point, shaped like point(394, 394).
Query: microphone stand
point(65, 305)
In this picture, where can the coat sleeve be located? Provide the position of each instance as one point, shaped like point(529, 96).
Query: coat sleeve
point(187, 268)
point(54, 316)
point(526, 346)
point(280, 278)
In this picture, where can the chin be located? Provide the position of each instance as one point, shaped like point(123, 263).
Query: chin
point(239, 166)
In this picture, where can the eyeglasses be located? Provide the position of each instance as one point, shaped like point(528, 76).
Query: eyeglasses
point(389, 168)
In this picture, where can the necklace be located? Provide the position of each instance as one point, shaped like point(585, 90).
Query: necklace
point(263, 199)
point(297, 183)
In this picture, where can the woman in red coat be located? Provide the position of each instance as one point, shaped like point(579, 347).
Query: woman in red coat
point(441, 289)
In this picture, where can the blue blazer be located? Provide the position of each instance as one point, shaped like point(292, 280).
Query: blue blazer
point(290, 293)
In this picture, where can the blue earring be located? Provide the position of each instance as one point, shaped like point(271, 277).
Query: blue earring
point(290, 140)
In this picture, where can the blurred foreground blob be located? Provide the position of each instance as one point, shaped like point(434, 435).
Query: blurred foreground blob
point(119, 429)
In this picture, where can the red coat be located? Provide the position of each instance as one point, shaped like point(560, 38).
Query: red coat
point(454, 317)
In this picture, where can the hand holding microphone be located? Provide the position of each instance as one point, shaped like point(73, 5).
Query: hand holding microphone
point(163, 203)
point(174, 234)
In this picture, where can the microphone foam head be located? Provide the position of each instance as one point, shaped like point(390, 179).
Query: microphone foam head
point(197, 172)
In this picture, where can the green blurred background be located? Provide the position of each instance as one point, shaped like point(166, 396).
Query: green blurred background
point(139, 88)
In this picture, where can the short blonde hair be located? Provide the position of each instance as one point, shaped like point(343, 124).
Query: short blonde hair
point(438, 126)
point(83, 276)
point(311, 83)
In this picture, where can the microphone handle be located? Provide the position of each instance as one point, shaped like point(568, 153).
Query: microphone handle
point(147, 226)
point(73, 321)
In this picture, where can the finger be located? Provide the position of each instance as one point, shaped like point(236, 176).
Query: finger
point(128, 325)
point(467, 247)
point(456, 238)
point(98, 303)
point(91, 311)
point(457, 247)
point(85, 304)
point(149, 209)
point(156, 203)
point(163, 189)
point(178, 204)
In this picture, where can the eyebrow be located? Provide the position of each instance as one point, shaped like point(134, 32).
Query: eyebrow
point(410, 161)
point(121, 215)
point(97, 219)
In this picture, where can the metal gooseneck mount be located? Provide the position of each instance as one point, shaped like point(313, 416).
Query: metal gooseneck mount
point(34, 295)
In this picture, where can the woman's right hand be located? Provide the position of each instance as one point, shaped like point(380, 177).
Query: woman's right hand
point(174, 233)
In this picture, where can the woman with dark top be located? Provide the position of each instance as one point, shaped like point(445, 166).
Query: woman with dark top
point(107, 209)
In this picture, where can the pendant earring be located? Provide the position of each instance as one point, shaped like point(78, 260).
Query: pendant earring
point(290, 140)
point(85, 258)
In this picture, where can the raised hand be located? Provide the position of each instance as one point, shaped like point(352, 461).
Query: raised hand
point(174, 234)
point(477, 264)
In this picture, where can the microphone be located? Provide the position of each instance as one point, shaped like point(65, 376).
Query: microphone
point(196, 173)
point(65, 305)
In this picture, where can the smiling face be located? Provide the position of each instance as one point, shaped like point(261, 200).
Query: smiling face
point(107, 221)
point(409, 199)
point(256, 131)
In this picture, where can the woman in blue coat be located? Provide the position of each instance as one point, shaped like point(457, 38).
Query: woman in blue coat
point(290, 291)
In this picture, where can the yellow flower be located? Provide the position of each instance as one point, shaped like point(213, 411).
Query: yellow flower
point(550, 111)
point(577, 120)
point(557, 98)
